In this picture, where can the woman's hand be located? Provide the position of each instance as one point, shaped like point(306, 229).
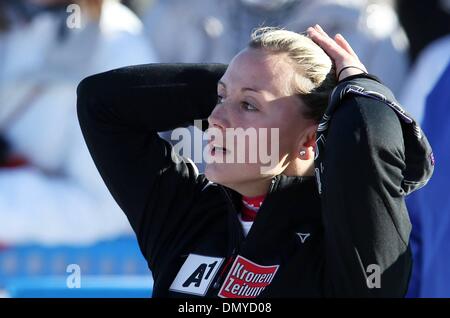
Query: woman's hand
point(346, 61)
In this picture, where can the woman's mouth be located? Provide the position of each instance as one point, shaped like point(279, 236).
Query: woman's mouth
point(215, 149)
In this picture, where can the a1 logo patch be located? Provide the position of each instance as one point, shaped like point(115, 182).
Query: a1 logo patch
point(196, 274)
point(247, 279)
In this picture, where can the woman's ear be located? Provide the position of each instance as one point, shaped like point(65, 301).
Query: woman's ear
point(307, 144)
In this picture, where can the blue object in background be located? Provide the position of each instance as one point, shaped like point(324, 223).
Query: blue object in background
point(429, 207)
point(90, 287)
point(114, 268)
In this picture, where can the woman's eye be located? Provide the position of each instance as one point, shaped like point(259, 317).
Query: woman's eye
point(219, 99)
point(248, 106)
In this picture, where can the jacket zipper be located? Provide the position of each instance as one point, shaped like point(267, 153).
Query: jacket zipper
point(221, 277)
point(234, 243)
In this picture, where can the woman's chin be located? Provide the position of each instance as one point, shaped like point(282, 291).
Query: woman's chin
point(218, 173)
point(212, 174)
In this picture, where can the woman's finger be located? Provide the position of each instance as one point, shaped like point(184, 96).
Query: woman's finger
point(320, 30)
point(338, 50)
point(327, 44)
point(339, 39)
point(342, 42)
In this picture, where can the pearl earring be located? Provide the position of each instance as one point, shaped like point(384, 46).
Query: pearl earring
point(302, 153)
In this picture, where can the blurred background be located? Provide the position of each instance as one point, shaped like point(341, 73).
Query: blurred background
point(62, 234)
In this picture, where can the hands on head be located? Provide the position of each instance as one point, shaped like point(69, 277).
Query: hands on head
point(345, 59)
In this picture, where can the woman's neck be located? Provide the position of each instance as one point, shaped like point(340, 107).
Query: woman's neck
point(302, 168)
point(252, 188)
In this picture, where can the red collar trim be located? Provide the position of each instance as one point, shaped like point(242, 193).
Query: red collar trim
point(250, 206)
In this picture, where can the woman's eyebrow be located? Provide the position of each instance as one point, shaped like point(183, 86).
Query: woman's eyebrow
point(250, 89)
point(242, 89)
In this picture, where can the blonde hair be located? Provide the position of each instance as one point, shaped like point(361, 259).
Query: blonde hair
point(314, 77)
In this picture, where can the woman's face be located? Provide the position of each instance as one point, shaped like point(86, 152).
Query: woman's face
point(254, 95)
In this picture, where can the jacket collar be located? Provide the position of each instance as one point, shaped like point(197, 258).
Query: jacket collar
point(280, 183)
point(291, 203)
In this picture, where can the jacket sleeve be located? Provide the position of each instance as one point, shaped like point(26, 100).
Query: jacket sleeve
point(120, 114)
point(368, 147)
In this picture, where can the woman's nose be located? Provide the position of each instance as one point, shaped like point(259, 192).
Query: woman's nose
point(218, 118)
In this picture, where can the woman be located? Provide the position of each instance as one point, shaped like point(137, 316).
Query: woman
point(199, 233)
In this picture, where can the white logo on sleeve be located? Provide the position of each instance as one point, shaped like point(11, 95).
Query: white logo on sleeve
point(196, 274)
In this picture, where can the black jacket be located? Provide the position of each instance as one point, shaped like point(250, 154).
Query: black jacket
point(301, 243)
